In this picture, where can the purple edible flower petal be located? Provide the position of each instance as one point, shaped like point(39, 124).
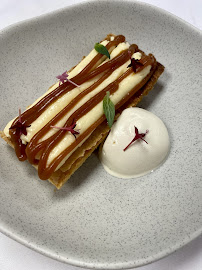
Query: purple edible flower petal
point(19, 126)
point(137, 136)
point(135, 63)
point(70, 129)
point(64, 77)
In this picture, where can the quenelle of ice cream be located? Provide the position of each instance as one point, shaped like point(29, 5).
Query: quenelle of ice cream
point(142, 156)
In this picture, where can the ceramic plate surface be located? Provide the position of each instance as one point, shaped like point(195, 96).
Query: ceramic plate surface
point(97, 220)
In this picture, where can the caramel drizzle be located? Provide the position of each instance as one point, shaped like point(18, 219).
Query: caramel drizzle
point(45, 171)
point(33, 147)
point(34, 112)
point(44, 148)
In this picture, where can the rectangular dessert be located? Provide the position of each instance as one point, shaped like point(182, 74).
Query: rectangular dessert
point(61, 129)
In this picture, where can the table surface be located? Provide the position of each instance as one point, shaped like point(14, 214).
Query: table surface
point(14, 256)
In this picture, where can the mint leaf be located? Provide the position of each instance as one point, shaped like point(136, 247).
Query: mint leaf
point(101, 49)
point(109, 109)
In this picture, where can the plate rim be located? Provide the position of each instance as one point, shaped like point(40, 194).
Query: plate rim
point(106, 266)
point(47, 252)
point(4, 30)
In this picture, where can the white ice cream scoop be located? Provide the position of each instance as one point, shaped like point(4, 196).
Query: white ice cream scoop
point(141, 157)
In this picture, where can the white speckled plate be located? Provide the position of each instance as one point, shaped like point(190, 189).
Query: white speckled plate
point(96, 220)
